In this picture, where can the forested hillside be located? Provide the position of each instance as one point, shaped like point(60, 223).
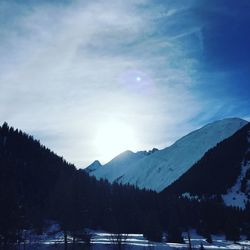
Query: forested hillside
point(37, 185)
point(218, 170)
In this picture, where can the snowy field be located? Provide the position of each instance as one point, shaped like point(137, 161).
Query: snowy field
point(102, 240)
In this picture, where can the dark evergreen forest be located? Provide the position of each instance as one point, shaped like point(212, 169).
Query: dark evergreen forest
point(36, 185)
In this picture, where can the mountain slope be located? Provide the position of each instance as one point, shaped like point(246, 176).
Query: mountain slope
point(118, 166)
point(223, 170)
point(159, 169)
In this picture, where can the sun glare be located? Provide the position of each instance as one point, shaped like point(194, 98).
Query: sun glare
point(112, 138)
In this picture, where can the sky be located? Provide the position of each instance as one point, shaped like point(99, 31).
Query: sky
point(91, 79)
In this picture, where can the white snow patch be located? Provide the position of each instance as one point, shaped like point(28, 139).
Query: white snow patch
point(190, 196)
point(234, 196)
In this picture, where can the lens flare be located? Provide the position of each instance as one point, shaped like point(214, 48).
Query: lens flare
point(137, 81)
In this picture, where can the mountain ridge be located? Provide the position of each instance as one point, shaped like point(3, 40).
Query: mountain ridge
point(159, 169)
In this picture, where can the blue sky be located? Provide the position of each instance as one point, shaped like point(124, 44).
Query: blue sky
point(151, 71)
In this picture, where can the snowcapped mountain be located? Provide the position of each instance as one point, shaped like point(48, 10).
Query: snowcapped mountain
point(158, 169)
point(226, 167)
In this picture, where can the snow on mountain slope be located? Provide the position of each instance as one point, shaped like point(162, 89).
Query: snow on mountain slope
point(118, 166)
point(158, 170)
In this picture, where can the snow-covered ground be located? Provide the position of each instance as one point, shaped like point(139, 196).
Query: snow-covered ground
point(103, 240)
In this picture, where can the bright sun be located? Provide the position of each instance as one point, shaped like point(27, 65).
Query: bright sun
point(112, 138)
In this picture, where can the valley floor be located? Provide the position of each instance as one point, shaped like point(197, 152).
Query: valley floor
point(105, 241)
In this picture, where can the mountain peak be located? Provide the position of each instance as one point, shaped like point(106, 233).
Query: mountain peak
point(93, 166)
